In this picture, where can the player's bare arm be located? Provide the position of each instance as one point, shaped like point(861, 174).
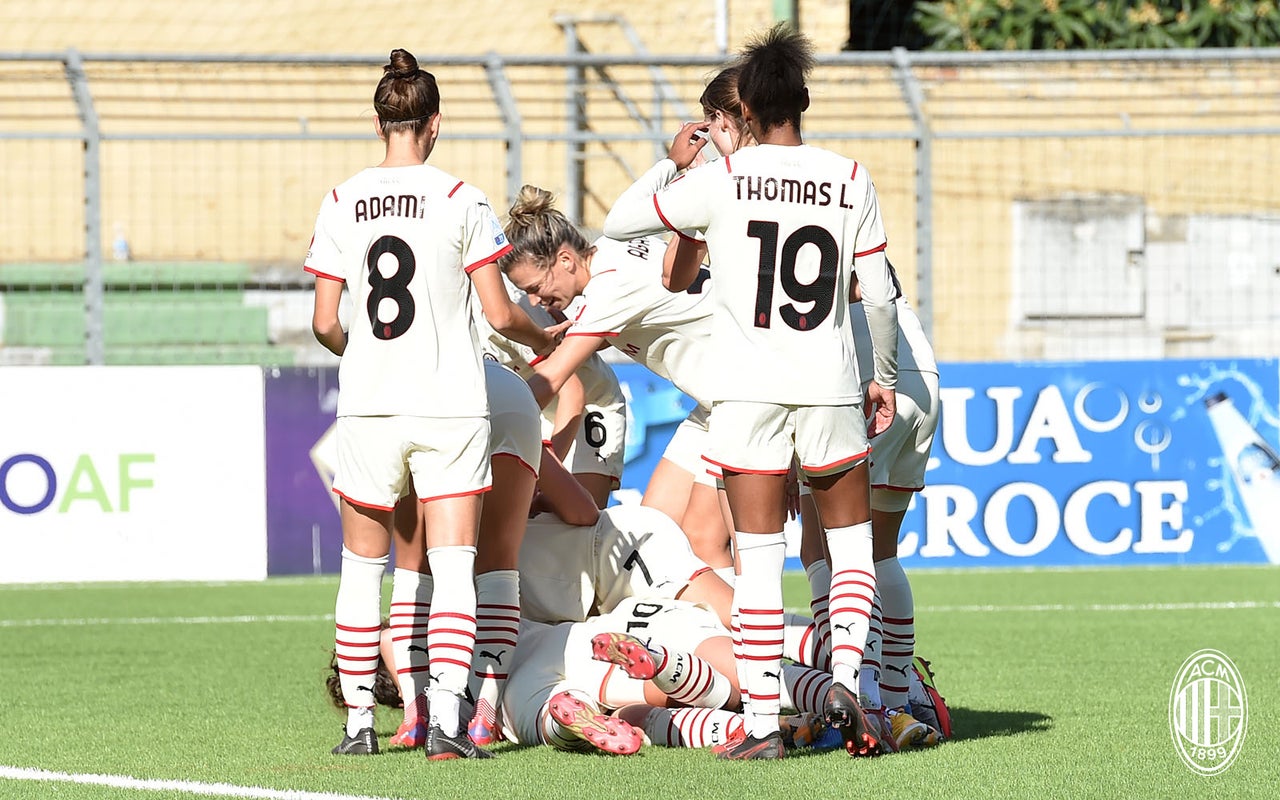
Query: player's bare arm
point(506, 317)
point(570, 410)
point(324, 319)
point(681, 262)
point(552, 373)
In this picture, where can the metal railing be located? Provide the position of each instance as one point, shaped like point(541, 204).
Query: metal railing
point(1039, 205)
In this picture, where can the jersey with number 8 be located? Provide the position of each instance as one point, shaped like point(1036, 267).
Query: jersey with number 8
point(785, 226)
point(404, 240)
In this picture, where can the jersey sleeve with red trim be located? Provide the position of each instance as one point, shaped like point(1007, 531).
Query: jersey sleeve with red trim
point(683, 206)
point(483, 240)
point(605, 308)
point(876, 284)
point(324, 257)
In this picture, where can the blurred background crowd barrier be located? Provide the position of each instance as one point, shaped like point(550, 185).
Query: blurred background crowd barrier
point(1040, 205)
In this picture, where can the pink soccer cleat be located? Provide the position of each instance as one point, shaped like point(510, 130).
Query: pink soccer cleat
point(410, 734)
point(608, 734)
point(627, 652)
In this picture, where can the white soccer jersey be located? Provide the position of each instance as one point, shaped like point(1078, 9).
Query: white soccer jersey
point(915, 354)
point(626, 304)
point(785, 226)
point(568, 573)
point(404, 239)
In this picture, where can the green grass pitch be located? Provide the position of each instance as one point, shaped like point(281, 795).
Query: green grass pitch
point(1058, 682)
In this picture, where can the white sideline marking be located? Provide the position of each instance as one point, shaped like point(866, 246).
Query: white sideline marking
point(1231, 605)
point(1206, 606)
point(241, 619)
point(209, 789)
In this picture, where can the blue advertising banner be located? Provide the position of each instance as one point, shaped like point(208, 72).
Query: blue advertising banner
point(1125, 462)
point(1036, 464)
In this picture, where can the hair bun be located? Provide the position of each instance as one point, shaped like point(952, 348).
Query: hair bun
point(403, 64)
point(531, 203)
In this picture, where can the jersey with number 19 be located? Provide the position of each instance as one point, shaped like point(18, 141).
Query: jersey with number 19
point(785, 226)
point(404, 240)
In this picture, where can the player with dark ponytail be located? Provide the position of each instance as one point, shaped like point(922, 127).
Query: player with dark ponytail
point(787, 225)
point(408, 242)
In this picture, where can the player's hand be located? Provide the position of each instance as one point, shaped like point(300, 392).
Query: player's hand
point(555, 335)
point(793, 492)
point(688, 143)
point(881, 406)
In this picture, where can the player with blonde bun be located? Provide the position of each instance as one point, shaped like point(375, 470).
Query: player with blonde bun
point(617, 289)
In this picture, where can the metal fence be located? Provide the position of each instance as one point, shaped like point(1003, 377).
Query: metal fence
point(1039, 205)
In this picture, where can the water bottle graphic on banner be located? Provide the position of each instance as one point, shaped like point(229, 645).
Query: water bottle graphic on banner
point(1255, 468)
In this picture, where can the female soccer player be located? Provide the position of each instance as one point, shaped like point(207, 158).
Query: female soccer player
point(787, 223)
point(618, 285)
point(902, 452)
point(408, 241)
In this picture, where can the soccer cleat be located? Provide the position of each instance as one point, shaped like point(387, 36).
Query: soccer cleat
point(364, 743)
point(926, 703)
point(735, 735)
point(881, 728)
point(749, 748)
point(609, 734)
point(845, 715)
point(483, 728)
point(410, 734)
point(627, 652)
point(801, 730)
point(442, 748)
point(910, 732)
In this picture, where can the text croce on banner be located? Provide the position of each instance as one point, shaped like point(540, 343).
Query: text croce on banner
point(1127, 462)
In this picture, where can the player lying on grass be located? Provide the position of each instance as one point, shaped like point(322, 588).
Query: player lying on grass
point(565, 677)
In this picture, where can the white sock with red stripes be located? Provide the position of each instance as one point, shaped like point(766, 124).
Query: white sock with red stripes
point(899, 647)
point(819, 575)
point(410, 608)
point(739, 663)
point(497, 632)
point(357, 617)
point(689, 679)
point(804, 688)
point(451, 632)
point(759, 592)
point(691, 727)
point(799, 640)
point(869, 674)
point(853, 585)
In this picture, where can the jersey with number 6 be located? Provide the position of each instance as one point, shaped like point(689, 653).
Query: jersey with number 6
point(785, 226)
point(404, 240)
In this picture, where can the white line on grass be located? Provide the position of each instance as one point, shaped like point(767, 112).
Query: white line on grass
point(209, 789)
point(239, 619)
point(242, 619)
point(1206, 606)
point(1232, 605)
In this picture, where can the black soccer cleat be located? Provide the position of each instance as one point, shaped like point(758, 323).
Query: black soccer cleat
point(752, 749)
point(364, 743)
point(845, 715)
point(441, 748)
